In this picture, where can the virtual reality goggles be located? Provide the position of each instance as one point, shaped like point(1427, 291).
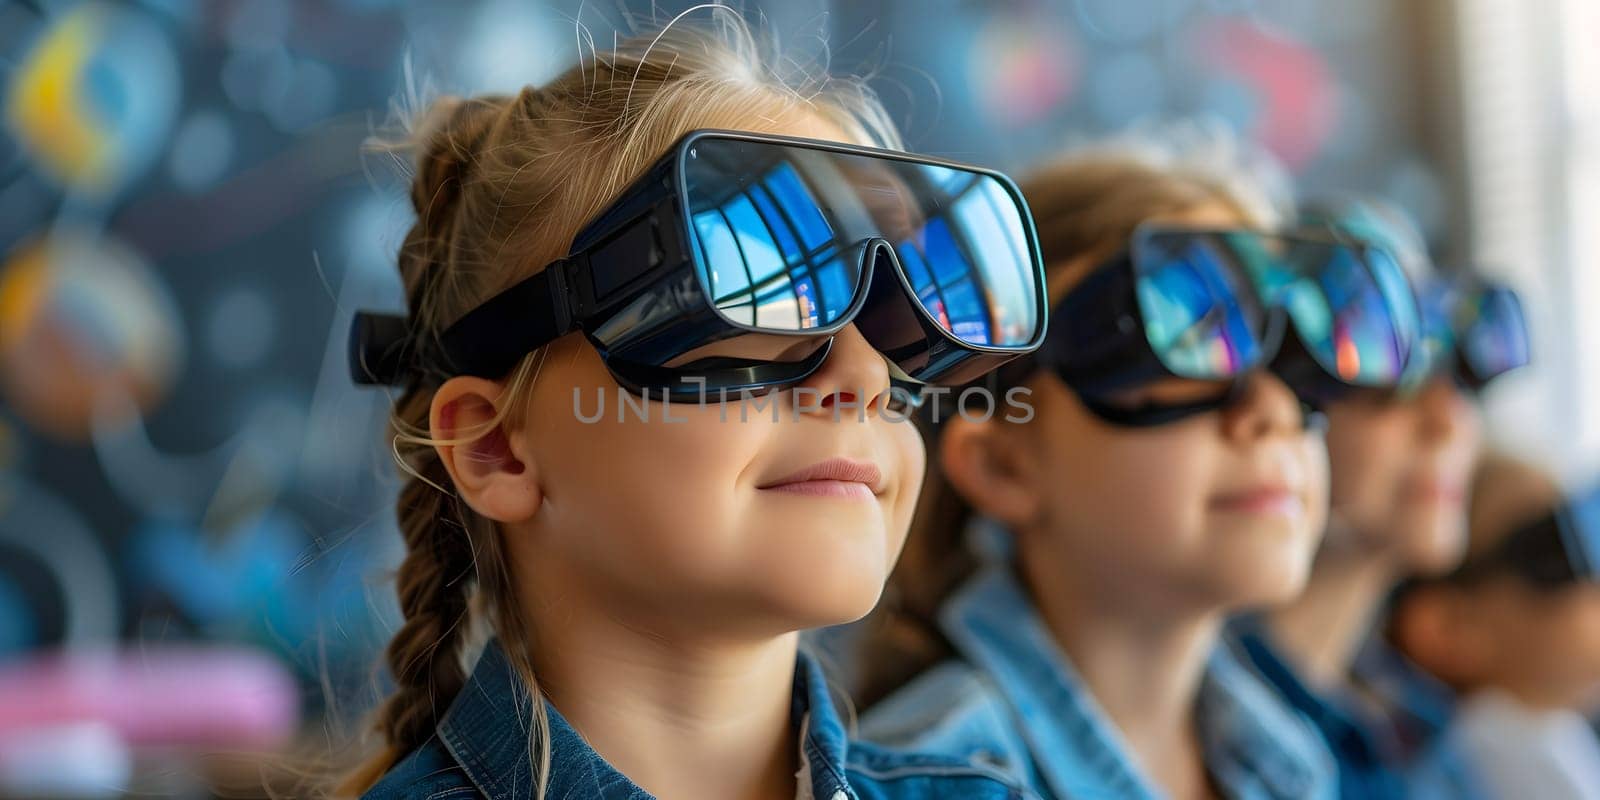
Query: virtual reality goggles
point(1472, 328)
point(731, 263)
point(1215, 305)
point(1559, 548)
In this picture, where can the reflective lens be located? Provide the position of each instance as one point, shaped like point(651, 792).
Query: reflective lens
point(1436, 339)
point(777, 229)
point(1494, 333)
point(1352, 308)
point(1483, 323)
point(768, 256)
point(1583, 533)
point(1202, 317)
point(1204, 295)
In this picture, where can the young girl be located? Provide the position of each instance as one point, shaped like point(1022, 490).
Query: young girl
point(1400, 465)
point(642, 571)
point(1141, 510)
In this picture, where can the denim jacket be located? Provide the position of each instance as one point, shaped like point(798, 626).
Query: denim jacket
point(1388, 744)
point(1419, 711)
point(480, 750)
point(1013, 700)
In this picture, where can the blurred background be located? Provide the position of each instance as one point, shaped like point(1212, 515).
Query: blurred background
point(194, 498)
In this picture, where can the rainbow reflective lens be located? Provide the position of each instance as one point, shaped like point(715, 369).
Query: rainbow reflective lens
point(1202, 316)
point(1492, 333)
point(1472, 327)
point(731, 263)
point(1213, 305)
point(1206, 295)
point(1352, 309)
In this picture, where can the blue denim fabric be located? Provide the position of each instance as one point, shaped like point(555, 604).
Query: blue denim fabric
point(1013, 700)
point(1419, 710)
point(480, 750)
point(1392, 748)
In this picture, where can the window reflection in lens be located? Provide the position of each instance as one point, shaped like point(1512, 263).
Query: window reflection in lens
point(774, 225)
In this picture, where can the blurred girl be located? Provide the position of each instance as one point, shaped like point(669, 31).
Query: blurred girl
point(1400, 464)
point(1164, 480)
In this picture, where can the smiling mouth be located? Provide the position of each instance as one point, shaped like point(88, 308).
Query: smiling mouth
point(835, 477)
point(1436, 493)
point(1265, 500)
point(849, 489)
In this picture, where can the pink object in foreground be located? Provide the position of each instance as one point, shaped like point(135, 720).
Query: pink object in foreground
point(213, 697)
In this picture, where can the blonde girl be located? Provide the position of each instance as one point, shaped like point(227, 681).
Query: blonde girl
point(641, 581)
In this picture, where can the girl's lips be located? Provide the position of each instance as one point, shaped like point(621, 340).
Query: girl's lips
point(1260, 500)
point(1436, 491)
point(850, 489)
point(835, 477)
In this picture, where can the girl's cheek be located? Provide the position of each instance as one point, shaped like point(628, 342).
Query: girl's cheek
point(1314, 462)
point(912, 467)
point(916, 455)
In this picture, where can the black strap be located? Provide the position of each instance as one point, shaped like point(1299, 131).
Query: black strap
point(493, 337)
point(487, 342)
point(1096, 342)
point(379, 347)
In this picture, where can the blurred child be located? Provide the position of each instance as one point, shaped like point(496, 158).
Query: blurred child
point(1516, 631)
point(1060, 608)
point(1400, 461)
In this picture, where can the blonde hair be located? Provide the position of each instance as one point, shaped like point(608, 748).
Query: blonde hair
point(502, 186)
point(1507, 492)
point(1087, 201)
point(1086, 204)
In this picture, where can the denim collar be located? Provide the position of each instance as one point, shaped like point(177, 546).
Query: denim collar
point(486, 729)
point(1255, 744)
point(1418, 711)
point(1254, 747)
point(1361, 752)
point(1419, 705)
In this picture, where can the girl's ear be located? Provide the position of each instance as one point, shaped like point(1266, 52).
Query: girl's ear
point(997, 473)
point(491, 469)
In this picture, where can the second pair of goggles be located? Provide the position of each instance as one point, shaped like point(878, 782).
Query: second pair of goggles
point(1472, 328)
point(731, 263)
point(1216, 304)
point(1559, 548)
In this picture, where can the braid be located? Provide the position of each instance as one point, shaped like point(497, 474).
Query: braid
point(452, 136)
point(501, 185)
point(433, 582)
point(438, 576)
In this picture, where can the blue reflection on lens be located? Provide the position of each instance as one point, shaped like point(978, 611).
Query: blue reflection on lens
point(1193, 315)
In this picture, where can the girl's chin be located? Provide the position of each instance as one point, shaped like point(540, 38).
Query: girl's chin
point(1268, 575)
point(835, 599)
point(1432, 549)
